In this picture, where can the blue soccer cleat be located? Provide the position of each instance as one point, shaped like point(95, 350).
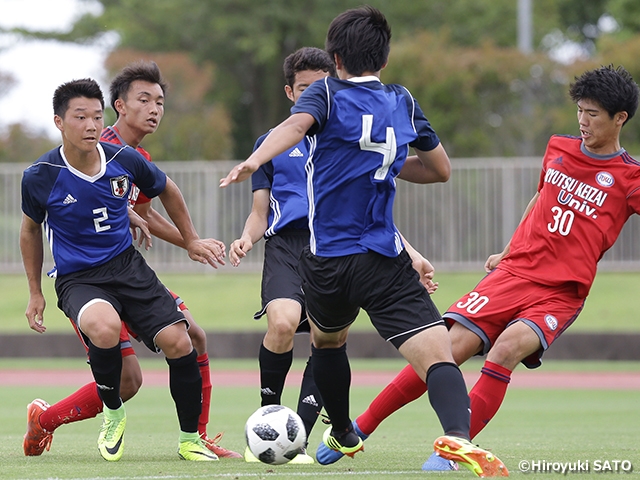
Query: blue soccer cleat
point(435, 463)
point(327, 456)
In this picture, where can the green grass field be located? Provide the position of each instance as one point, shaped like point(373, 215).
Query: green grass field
point(226, 302)
point(533, 425)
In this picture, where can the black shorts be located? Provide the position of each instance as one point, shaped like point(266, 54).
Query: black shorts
point(388, 289)
point(280, 277)
point(128, 284)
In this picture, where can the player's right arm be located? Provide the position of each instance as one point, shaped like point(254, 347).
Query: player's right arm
point(256, 224)
point(427, 167)
point(493, 260)
point(31, 247)
point(286, 135)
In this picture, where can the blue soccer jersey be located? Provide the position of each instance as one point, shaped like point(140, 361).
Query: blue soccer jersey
point(85, 217)
point(360, 141)
point(285, 176)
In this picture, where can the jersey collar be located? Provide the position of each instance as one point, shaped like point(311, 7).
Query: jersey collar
point(78, 173)
point(368, 78)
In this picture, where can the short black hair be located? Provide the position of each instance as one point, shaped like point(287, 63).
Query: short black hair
point(361, 38)
point(307, 58)
point(85, 87)
point(612, 88)
point(140, 70)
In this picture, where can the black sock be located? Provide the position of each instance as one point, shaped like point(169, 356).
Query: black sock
point(274, 368)
point(332, 374)
point(310, 402)
point(106, 366)
point(185, 384)
point(449, 398)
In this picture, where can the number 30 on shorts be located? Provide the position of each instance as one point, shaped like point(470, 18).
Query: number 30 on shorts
point(473, 303)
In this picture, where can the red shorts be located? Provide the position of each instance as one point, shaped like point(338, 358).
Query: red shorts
point(126, 333)
point(501, 299)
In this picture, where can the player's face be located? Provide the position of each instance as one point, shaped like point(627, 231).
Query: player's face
point(82, 124)
point(598, 130)
point(302, 80)
point(143, 108)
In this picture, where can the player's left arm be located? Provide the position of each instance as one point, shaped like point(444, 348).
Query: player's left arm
point(427, 167)
point(422, 266)
point(284, 136)
point(31, 248)
point(200, 250)
point(139, 229)
point(158, 225)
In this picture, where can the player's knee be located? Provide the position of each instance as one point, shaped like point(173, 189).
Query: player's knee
point(103, 335)
point(282, 328)
point(174, 341)
point(505, 353)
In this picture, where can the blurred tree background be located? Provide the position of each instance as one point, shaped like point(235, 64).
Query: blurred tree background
point(484, 95)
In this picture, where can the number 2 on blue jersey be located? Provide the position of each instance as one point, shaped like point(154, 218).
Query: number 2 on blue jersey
point(387, 149)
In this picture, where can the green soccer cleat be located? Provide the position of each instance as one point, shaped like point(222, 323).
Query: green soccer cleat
point(192, 448)
point(303, 458)
point(249, 457)
point(333, 443)
point(476, 459)
point(111, 438)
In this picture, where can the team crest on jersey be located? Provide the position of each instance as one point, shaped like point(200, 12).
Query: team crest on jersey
point(119, 186)
point(605, 179)
point(551, 322)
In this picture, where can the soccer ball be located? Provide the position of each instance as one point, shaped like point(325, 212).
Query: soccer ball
point(275, 434)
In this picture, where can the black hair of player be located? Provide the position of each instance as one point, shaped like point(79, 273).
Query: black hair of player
point(85, 87)
point(307, 58)
point(141, 70)
point(612, 88)
point(361, 38)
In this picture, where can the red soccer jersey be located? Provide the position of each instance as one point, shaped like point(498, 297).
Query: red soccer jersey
point(584, 202)
point(111, 135)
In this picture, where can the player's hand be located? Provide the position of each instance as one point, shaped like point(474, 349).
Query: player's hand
point(35, 313)
point(238, 250)
point(239, 173)
point(139, 229)
point(493, 261)
point(207, 250)
point(425, 270)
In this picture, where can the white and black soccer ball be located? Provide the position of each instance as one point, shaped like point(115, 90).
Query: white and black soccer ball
point(275, 434)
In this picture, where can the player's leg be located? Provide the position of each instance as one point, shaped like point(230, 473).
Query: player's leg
point(309, 401)
point(276, 352)
point(332, 374)
point(185, 384)
point(199, 340)
point(101, 324)
point(44, 419)
point(449, 399)
point(517, 342)
point(429, 353)
point(403, 313)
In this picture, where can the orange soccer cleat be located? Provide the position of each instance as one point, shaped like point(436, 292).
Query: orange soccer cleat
point(37, 438)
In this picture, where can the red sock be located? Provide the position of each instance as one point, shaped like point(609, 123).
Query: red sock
point(84, 403)
point(404, 388)
point(487, 395)
point(203, 365)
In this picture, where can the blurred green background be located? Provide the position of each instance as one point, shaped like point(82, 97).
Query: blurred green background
point(227, 302)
